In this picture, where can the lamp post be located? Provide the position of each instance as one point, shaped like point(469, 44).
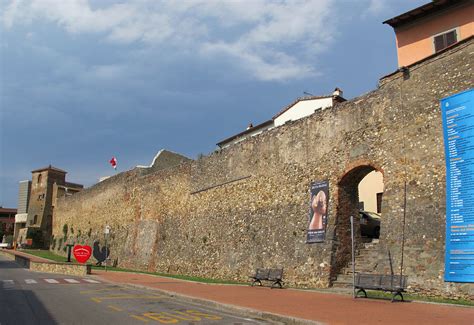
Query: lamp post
point(106, 233)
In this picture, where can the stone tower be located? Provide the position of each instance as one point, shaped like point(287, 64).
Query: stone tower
point(46, 183)
point(40, 210)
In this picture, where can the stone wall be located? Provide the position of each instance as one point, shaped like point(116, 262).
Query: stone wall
point(247, 206)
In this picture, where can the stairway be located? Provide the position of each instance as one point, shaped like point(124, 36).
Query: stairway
point(366, 261)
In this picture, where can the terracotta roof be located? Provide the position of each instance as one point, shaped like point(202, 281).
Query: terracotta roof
point(423, 11)
point(49, 168)
point(245, 132)
point(7, 210)
point(300, 99)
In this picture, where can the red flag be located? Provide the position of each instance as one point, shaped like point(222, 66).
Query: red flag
point(113, 162)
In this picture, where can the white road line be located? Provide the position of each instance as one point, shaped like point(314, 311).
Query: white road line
point(7, 284)
point(71, 281)
point(90, 281)
point(30, 281)
point(51, 280)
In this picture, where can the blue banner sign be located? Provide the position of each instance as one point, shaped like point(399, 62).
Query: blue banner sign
point(458, 128)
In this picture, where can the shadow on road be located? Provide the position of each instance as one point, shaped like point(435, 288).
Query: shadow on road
point(22, 307)
point(9, 265)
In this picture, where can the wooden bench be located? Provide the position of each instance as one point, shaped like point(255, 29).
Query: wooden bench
point(273, 275)
point(396, 284)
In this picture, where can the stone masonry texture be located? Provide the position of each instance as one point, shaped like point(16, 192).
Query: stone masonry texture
point(246, 206)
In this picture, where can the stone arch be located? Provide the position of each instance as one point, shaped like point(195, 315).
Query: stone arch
point(347, 201)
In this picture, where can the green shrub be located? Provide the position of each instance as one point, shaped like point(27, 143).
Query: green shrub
point(65, 231)
point(53, 243)
point(9, 239)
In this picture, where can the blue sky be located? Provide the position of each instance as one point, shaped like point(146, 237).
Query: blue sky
point(82, 81)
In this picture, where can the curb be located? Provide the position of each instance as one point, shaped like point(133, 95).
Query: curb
point(243, 311)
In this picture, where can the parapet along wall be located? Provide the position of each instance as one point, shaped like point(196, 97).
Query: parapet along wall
point(247, 206)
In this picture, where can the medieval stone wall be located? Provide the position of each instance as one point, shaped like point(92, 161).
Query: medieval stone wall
point(247, 206)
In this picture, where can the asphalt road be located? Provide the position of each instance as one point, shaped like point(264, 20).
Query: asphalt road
point(28, 297)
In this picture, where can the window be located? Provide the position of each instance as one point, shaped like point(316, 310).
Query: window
point(35, 219)
point(444, 40)
point(39, 179)
point(379, 202)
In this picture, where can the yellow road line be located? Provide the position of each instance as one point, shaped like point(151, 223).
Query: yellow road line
point(99, 290)
point(143, 319)
point(100, 299)
point(115, 308)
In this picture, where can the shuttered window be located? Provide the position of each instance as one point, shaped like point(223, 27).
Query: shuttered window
point(444, 40)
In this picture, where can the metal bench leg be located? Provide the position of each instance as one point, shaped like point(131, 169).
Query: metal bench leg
point(257, 281)
point(361, 290)
point(277, 282)
point(397, 294)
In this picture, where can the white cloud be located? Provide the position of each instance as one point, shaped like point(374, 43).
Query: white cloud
point(273, 40)
point(110, 72)
point(376, 7)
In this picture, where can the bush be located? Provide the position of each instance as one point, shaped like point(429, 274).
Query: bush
point(9, 239)
point(65, 231)
point(53, 243)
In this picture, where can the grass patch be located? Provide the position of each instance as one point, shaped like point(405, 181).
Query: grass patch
point(45, 254)
point(414, 297)
point(174, 276)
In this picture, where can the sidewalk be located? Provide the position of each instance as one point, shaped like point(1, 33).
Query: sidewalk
point(315, 306)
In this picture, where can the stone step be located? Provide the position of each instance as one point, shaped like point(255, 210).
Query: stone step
point(344, 278)
point(366, 261)
point(341, 285)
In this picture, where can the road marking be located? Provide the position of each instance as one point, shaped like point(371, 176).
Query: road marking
point(51, 280)
point(71, 281)
point(143, 319)
point(115, 308)
point(100, 290)
point(8, 283)
point(100, 299)
point(30, 281)
point(90, 281)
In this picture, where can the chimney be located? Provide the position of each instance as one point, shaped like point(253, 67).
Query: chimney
point(249, 126)
point(337, 92)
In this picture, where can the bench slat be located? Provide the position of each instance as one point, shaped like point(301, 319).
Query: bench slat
point(381, 282)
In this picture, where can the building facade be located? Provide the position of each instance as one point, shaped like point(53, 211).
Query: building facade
point(7, 223)
point(36, 201)
point(431, 28)
point(300, 108)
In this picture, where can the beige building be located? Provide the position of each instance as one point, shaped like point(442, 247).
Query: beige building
point(371, 192)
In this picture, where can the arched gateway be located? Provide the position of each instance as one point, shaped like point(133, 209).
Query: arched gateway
point(348, 205)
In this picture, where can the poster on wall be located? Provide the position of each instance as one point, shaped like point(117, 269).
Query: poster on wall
point(318, 212)
point(458, 128)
